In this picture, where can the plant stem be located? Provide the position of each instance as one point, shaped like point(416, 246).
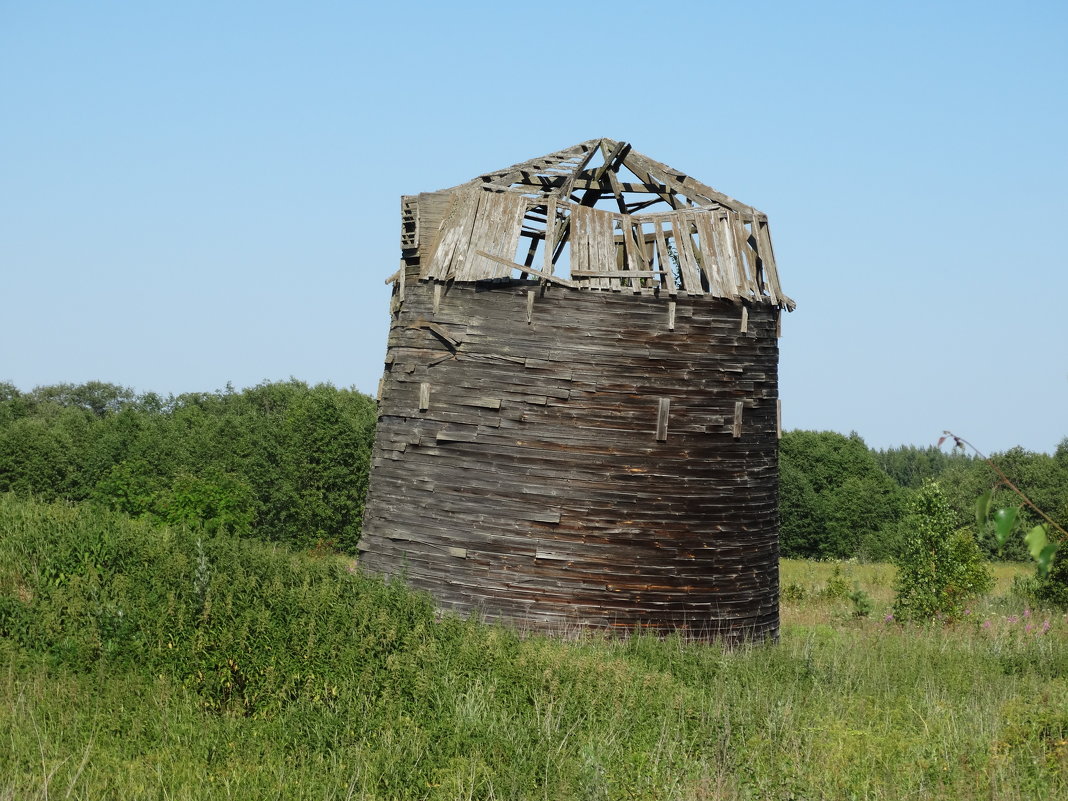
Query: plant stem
point(961, 442)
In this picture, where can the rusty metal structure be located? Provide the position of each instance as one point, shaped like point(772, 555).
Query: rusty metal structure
point(579, 413)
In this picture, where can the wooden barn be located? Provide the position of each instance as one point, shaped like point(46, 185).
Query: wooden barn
point(579, 414)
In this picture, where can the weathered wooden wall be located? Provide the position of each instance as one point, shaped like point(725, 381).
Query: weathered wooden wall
point(558, 457)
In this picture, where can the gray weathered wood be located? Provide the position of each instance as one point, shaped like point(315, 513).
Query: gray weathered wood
point(662, 412)
point(529, 489)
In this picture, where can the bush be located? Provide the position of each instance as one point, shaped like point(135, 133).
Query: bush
point(281, 461)
point(1053, 588)
point(833, 496)
point(248, 628)
point(941, 567)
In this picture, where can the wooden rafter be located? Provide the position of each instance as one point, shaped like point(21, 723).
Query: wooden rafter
point(716, 244)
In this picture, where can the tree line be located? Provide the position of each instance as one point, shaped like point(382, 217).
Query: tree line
point(288, 462)
point(282, 461)
point(840, 499)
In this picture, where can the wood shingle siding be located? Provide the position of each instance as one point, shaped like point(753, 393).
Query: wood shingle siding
point(589, 440)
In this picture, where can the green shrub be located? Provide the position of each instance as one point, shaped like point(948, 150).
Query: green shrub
point(836, 587)
point(1053, 588)
point(863, 605)
point(941, 567)
point(280, 461)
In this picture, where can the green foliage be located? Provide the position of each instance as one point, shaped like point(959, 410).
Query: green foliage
point(143, 661)
point(1042, 541)
point(834, 498)
point(836, 586)
point(247, 628)
point(910, 466)
point(942, 567)
point(281, 461)
point(1053, 588)
point(1044, 478)
point(863, 605)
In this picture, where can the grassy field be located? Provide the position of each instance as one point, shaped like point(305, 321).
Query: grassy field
point(145, 663)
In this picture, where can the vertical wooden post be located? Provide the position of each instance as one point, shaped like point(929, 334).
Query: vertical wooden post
point(778, 418)
point(778, 324)
point(671, 315)
point(737, 419)
point(745, 320)
point(381, 387)
point(662, 419)
point(530, 307)
point(437, 297)
point(424, 396)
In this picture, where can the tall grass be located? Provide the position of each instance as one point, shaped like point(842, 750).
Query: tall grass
point(237, 670)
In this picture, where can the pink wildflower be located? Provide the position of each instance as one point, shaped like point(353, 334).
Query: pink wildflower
point(1012, 618)
point(1027, 628)
point(889, 618)
point(986, 624)
point(1045, 626)
point(1027, 613)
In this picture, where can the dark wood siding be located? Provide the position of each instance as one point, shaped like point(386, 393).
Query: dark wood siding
point(587, 467)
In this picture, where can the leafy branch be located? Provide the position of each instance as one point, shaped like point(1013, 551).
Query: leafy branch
point(1037, 539)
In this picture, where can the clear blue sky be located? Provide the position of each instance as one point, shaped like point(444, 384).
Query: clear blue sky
point(195, 193)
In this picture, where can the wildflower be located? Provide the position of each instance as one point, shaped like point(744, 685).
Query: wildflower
point(889, 618)
point(1045, 626)
point(967, 611)
point(986, 624)
point(1027, 613)
point(1012, 618)
point(1028, 628)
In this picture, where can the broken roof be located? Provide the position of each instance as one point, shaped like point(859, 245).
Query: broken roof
point(600, 215)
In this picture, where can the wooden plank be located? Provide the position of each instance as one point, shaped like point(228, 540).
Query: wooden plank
point(746, 261)
point(691, 277)
point(767, 255)
point(569, 183)
point(424, 396)
point(618, 273)
point(663, 410)
point(549, 245)
point(671, 315)
point(455, 229)
point(737, 430)
point(551, 278)
point(580, 239)
point(541, 164)
point(456, 435)
point(687, 185)
point(744, 328)
point(778, 418)
point(664, 259)
point(482, 403)
point(608, 170)
point(530, 307)
point(437, 297)
point(441, 332)
point(719, 284)
point(602, 248)
point(728, 251)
